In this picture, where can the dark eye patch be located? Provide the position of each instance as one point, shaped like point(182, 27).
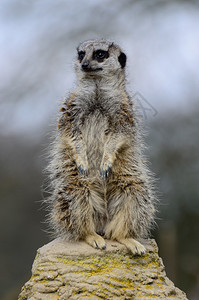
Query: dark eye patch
point(100, 55)
point(81, 55)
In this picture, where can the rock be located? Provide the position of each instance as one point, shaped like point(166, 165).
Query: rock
point(64, 270)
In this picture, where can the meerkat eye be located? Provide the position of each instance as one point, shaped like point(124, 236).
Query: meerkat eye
point(81, 55)
point(100, 55)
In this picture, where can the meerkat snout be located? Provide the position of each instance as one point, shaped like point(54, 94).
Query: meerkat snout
point(85, 65)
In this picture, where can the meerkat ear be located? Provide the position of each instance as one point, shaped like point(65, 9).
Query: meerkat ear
point(122, 59)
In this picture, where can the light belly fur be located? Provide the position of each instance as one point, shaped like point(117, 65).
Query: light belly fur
point(94, 138)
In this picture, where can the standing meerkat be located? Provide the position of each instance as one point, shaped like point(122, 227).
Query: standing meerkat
point(100, 186)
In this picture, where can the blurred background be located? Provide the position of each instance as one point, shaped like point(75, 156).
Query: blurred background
point(38, 42)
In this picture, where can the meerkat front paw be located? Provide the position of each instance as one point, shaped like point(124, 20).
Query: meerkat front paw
point(134, 246)
point(82, 171)
point(82, 166)
point(96, 241)
point(105, 168)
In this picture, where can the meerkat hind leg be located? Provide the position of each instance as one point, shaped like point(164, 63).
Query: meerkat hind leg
point(96, 241)
point(134, 246)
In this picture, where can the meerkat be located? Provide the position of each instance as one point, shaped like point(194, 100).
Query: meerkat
point(100, 186)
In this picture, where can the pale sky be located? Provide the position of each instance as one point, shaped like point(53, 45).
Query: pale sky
point(38, 42)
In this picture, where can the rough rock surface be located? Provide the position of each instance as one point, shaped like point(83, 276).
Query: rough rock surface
point(64, 270)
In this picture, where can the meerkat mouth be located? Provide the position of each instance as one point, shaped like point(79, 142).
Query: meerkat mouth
point(88, 70)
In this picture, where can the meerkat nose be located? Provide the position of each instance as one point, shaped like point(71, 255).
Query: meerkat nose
point(85, 65)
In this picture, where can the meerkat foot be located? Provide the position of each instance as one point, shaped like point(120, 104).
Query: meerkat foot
point(134, 246)
point(96, 241)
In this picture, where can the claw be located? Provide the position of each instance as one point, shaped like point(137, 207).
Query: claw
point(96, 245)
point(104, 173)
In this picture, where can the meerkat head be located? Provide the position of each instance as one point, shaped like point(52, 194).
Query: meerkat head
point(99, 58)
